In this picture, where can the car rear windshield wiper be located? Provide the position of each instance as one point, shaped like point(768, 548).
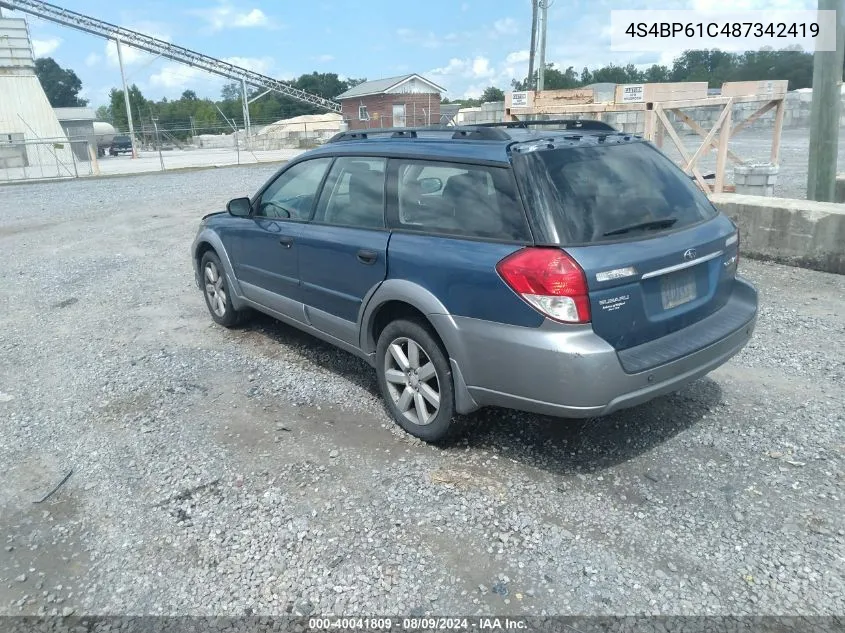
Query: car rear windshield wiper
point(663, 223)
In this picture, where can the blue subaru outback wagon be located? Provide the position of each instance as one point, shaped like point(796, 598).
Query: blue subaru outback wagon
point(562, 268)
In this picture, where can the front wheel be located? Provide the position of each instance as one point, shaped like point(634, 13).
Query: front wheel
point(216, 291)
point(415, 379)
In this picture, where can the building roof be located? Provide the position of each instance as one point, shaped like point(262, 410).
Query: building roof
point(380, 86)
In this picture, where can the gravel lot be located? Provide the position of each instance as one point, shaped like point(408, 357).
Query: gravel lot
point(756, 146)
point(255, 471)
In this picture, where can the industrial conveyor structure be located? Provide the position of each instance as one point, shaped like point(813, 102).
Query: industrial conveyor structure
point(164, 49)
point(167, 50)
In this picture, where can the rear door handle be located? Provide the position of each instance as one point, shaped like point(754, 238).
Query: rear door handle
point(367, 257)
point(286, 241)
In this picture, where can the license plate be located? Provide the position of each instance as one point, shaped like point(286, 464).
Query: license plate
point(677, 289)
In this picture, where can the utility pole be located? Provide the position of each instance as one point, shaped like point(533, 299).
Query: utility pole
point(126, 99)
point(824, 115)
point(247, 125)
point(541, 63)
point(158, 142)
point(533, 51)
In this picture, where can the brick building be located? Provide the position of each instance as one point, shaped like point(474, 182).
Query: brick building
point(406, 101)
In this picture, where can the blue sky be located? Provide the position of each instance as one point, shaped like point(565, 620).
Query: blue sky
point(464, 45)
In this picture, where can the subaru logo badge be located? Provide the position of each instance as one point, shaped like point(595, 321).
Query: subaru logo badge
point(690, 254)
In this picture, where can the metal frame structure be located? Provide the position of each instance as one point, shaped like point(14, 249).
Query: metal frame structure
point(164, 49)
point(657, 124)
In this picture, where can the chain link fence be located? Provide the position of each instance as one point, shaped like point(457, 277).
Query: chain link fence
point(45, 159)
point(178, 147)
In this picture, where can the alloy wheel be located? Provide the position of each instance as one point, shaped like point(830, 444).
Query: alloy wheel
point(214, 290)
point(412, 380)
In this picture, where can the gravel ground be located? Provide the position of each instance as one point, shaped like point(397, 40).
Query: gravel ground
point(255, 470)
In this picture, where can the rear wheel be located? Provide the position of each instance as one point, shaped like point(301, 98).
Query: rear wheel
point(216, 291)
point(416, 380)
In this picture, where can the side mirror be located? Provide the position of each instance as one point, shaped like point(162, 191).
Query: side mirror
point(430, 185)
point(239, 207)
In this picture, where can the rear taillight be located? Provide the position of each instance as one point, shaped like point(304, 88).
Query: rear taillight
point(550, 280)
point(734, 239)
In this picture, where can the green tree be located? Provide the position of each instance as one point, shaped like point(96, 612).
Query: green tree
point(104, 114)
point(61, 85)
point(656, 74)
point(231, 92)
point(616, 74)
point(326, 85)
point(140, 107)
point(492, 94)
point(712, 66)
point(553, 79)
point(352, 82)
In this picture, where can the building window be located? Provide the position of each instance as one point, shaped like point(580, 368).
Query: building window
point(363, 115)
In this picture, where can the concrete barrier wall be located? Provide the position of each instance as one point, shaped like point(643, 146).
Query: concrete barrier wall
point(795, 232)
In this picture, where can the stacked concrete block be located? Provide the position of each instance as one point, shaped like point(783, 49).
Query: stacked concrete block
point(756, 179)
point(492, 112)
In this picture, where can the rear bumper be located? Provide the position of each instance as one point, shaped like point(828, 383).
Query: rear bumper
point(571, 372)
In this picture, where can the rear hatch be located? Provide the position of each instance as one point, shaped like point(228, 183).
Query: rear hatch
point(657, 255)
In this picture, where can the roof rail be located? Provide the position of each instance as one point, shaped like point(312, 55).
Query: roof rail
point(568, 124)
point(460, 132)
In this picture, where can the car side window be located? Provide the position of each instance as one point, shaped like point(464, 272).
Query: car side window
point(459, 199)
point(291, 196)
point(354, 193)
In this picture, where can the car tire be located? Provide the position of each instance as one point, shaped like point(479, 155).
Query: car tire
point(415, 379)
point(215, 286)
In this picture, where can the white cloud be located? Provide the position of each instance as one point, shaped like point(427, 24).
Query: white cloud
point(256, 17)
point(481, 67)
point(518, 57)
point(172, 78)
point(426, 40)
point(469, 77)
point(324, 58)
point(225, 16)
point(174, 75)
point(506, 26)
point(133, 56)
point(92, 60)
point(262, 65)
point(130, 55)
point(42, 48)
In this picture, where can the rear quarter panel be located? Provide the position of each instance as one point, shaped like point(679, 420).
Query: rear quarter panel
point(462, 274)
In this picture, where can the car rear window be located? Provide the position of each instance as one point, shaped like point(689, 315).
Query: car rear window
point(609, 192)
